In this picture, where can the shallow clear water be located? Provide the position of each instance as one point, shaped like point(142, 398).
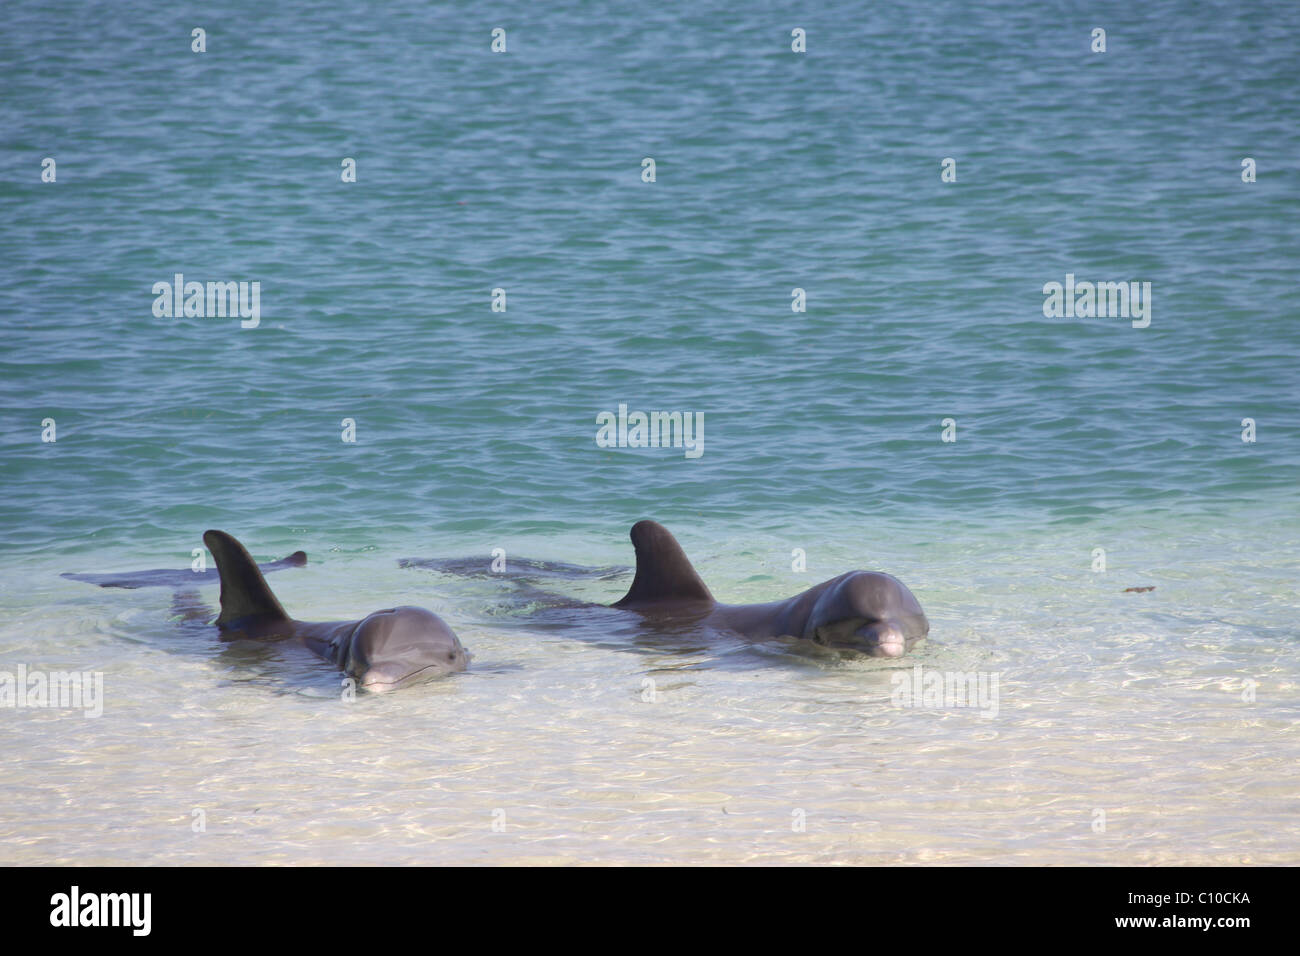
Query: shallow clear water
point(1173, 710)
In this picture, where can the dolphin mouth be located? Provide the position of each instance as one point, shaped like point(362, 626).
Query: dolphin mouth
point(883, 640)
point(888, 649)
point(379, 681)
point(869, 649)
point(872, 640)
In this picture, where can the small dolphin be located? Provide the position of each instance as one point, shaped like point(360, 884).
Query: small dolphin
point(863, 611)
point(383, 650)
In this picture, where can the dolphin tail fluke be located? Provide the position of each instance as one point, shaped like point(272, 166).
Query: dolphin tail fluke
point(663, 572)
point(244, 594)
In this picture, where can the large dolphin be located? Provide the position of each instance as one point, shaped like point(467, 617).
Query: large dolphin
point(864, 611)
point(383, 650)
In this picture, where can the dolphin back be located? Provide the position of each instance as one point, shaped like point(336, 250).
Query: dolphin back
point(244, 592)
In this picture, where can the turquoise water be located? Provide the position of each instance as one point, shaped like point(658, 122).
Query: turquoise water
point(476, 429)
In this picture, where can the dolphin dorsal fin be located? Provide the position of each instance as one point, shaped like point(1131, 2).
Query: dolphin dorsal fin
point(663, 572)
point(244, 594)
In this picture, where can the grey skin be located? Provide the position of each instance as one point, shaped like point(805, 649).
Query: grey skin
point(173, 578)
point(863, 611)
point(383, 650)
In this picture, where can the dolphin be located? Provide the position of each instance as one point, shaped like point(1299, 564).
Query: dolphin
point(173, 578)
point(864, 612)
point(531, 570)
point(868, 612)
point(383, 650)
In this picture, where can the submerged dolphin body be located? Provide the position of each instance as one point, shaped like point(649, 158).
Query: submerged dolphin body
point(173, 578)
point(383, 650)
point(864, 611)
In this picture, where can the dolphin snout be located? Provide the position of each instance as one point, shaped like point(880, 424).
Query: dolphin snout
point(381, 678)
point(884, 640)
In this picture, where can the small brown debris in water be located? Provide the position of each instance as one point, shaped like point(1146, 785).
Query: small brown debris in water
point(1151, 588)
